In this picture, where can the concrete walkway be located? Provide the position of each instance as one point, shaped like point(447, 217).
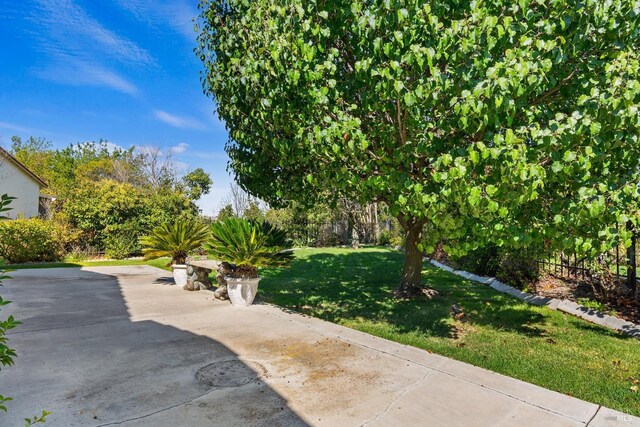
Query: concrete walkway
point(121, 346)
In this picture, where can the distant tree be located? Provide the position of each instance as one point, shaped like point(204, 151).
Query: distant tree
point(240, 200)
point(35, 153)
point(107, 197)
point(226, 212)
point(253, 211)
point(63, 168)
point(158, 167)
point(33, 145)
point(280, 217)
point(197, 183)
point(502, 120)
point(107, 209)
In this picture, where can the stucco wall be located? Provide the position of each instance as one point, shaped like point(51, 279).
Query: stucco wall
point(14, 182)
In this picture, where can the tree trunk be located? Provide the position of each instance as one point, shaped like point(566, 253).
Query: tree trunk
point(632, 279)
point(355, 237)
point(411, 281)
point(376, 229)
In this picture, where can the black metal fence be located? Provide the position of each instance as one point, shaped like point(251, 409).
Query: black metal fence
point(566, 265)
point(578, 267)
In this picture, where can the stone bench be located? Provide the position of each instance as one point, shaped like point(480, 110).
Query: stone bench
point(198, 274)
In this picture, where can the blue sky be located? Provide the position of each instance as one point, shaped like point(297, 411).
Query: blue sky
point(120, 70)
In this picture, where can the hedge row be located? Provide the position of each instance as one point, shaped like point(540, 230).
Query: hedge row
point(30, 240)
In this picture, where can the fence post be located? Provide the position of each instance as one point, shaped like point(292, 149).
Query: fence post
point(632, 279)
point(618, 263)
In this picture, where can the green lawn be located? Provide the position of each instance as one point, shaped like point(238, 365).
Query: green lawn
point(160, 263)
point(500, 333)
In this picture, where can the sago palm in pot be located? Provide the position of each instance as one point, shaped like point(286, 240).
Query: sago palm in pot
point(248, 245)
point(176, 241)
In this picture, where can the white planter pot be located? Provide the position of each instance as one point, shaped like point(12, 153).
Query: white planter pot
point(242, 291)
point(180, 274)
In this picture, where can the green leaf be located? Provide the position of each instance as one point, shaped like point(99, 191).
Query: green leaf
point(474, 196)
point(569, 156)
point(474, 156)
point(509, 137)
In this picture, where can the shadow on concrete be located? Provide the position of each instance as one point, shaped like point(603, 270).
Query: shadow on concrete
point(166, 280)
point(81, 357)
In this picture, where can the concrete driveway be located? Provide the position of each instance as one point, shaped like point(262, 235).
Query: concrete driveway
point(121, 346)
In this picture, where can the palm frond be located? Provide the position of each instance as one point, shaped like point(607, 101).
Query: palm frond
point(175, 240)
point(249, 243)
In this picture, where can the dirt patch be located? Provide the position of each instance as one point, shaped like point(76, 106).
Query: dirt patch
point(562, 288)
point(619, 303)
point(319, 360)
point(317, 369)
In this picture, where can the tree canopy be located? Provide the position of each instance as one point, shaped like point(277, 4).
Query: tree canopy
point(486, 120)
point(106, 198)
point(198, 183)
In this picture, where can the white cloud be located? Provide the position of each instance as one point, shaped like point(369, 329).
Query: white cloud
point(69, 30)
point(111, 147)
point(15, 128)
point(79, 47)
point(26, 131)
point(178, 121)
point(79, 73)
point(180, 148)
point(177, 14)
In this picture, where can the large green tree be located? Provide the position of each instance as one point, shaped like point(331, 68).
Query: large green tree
point(197, 183)
point(107, 196)
point(494, 120)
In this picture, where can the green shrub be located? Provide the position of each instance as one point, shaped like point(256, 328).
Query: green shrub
point(70, 238)
point(328, 239)
point(385, 238)
point(397, 235)
point(120, 245)
point(98, 210)
point(29, 240)
point(484, 261)
point(397, 240)
point(75, 255)
point(518, 268)
point(393, 235)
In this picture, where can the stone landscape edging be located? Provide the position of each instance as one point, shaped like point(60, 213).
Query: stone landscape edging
point(564, 305)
